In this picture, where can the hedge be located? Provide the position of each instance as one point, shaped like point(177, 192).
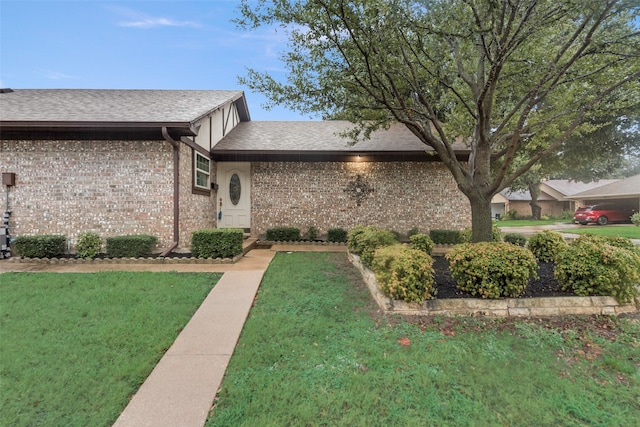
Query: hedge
point(217, 243)
point(42, 246)
point(131, 246)
point(287, 234)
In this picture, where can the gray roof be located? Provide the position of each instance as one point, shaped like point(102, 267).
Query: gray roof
point(112, 106)
point(569, 187)
point(523, 195)
point(315, 136)
point(628, 187)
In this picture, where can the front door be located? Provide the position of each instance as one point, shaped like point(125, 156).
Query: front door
point(234, 195)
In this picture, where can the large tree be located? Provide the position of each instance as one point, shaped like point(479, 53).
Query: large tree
point(511, 79)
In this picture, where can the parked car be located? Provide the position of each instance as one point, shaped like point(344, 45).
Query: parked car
point(601, 214)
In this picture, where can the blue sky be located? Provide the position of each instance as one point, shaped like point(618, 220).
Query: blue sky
point(87, 44)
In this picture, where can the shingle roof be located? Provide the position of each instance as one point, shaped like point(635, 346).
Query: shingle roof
point(628, 187)
point(111, 106)
point(523, 195)
point(568, 187)
point(321, 137)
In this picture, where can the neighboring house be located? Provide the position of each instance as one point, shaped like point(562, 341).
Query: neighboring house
point(167, 163)
point(555, 197)
point(622, 194)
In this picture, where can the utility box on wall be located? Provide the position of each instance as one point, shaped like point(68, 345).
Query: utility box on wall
point(8, 179)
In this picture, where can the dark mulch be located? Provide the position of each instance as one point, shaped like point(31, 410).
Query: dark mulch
point(544, 286)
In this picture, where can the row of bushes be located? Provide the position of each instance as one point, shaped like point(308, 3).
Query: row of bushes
point(89, 245)
point(292, 234)
point(590, 265)
point(215, 243)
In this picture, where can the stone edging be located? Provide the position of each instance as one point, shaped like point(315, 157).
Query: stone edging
point(103, 261)
point(507, 307)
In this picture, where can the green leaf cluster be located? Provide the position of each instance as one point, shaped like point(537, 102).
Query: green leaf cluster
point(492, 269)
point(421, 242)
point(41, 246)
point(546, 245)
point(89, 245)
point(338, 235)
point(364, 240)
point(404, 273)
point(130, 246)
point(599, 266)
point(284, 234)
point(217, 243)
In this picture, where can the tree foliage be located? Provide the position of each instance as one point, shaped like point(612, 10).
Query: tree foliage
point(509, 79)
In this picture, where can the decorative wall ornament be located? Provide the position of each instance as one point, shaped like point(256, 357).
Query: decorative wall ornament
point(359, 188)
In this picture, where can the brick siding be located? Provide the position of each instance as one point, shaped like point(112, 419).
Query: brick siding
point(324, 195)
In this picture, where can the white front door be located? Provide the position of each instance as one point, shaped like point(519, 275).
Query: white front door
point(234, 195)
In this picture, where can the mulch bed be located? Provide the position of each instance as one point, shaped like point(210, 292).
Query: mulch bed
point(544, 286)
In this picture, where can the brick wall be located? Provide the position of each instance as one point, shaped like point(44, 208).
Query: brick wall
point(395, 195)
point(109, 187)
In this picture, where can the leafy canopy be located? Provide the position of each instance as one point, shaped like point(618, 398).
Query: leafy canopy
point(503, 77)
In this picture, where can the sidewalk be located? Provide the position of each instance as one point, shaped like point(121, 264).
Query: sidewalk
point(181, 388)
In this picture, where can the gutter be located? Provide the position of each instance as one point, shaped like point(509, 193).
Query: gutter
point(176, 191)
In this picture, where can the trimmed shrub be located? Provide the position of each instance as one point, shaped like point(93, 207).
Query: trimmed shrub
point(496, 234)
point(516, 239)
point(217, 243)
point(366, 241)
point(42, 246)
point(618, 242)
point(131, 246)
point(286, 234)
point(590, 267)
point(353, 237)
point(445, 237)
point(312, 233)
point(338, 235)
point(413, 231)
point(635, 218)
point(422, 242)
point(492, 269)
point(404, 273)
point(89, 245)
point(546, 245)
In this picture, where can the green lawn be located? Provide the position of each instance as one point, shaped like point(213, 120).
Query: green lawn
point(629, 231)
point(529, 222)
point(316, 351)
point(75, 347)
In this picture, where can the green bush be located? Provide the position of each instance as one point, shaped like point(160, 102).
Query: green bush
point(590, 267)
point(492, 269)
point(496, 234)
point(635, 218)
point(422, 242)
point(412, 231)
point(286, 234)
point(89, 245)
point(404, 273)
point(546, 245)
point(618, 242)
point(365, 241)
point(132, 246)
point(217, 243)
point(566, 215)
point(42, 246)
point(338, 235)
point(445, 237)
point(516, 239)
point(511, 215)
point(312, 233)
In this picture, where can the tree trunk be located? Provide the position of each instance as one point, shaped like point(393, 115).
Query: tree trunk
point(481, 221)
point(536, 209)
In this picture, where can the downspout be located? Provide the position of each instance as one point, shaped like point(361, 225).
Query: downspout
point(176, 191)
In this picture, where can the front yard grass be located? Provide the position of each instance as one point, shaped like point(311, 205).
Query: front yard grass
point(629, 231)
point(316, 351)
point(529, 222)
point(75, 347)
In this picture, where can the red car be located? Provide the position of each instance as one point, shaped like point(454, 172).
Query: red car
point(601, 214)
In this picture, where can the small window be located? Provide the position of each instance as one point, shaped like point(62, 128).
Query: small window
point(202, 169)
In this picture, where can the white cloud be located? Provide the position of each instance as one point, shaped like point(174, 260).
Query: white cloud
point(55, 75)
point(135, 19)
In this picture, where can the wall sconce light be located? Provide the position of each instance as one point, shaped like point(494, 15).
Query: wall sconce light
point(214, 186)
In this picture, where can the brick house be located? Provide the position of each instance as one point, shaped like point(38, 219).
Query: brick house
point(167, 163)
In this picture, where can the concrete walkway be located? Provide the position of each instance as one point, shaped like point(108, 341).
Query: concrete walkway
point(181, 388)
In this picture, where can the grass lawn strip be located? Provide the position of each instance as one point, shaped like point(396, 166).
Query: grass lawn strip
point(628, 231)
point(74, 347)
point(315, 351)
